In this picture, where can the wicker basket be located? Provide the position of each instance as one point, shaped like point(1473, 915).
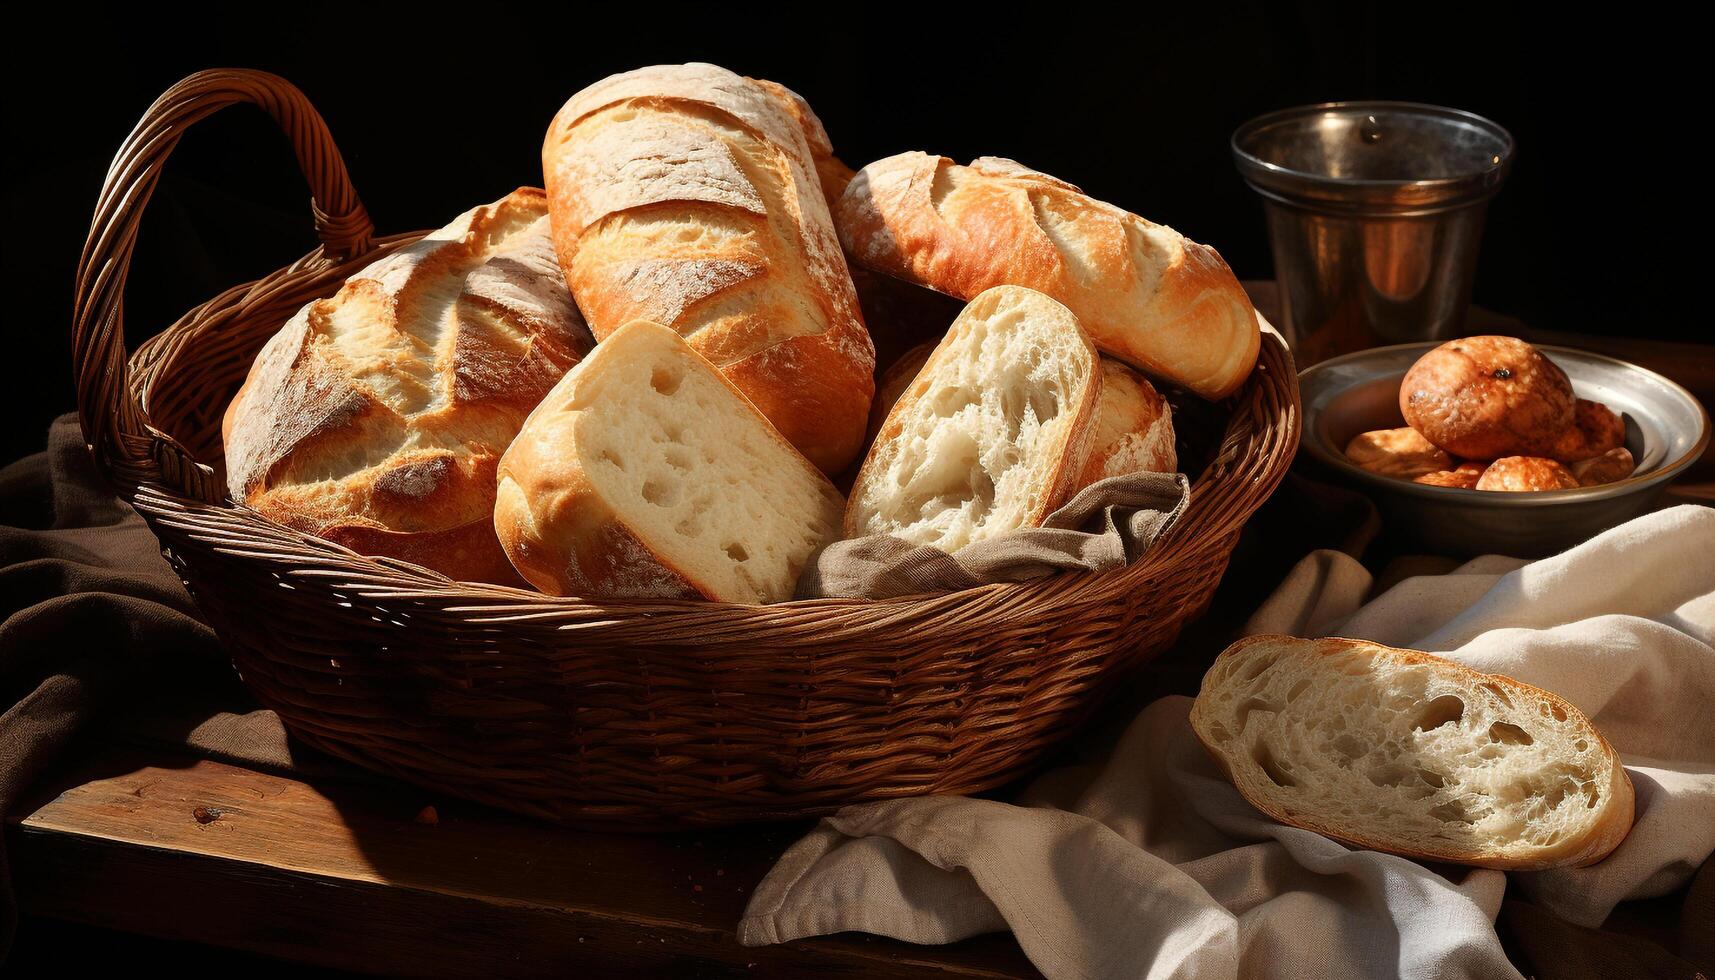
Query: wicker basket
point(629, 714)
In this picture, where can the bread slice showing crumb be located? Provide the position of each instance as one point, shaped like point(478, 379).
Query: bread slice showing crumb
point(645, 473)
point(991, 435)
point(1405, 752)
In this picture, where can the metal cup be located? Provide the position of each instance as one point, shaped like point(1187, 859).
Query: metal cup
point(1375, 211)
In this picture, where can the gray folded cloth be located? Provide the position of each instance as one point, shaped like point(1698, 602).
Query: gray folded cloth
point(1106, 526)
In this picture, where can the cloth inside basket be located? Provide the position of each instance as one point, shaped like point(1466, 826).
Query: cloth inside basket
point(1105, 526)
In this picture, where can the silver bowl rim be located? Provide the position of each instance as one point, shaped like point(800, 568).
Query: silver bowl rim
point(1476, 177)
point(1312, 442)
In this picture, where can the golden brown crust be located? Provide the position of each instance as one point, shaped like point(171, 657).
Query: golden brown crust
point(1595, 430)
point(1399, 452)
point(363, 423)
point(1144, 293)
point(1602, 840)
point(1134, 428)
point(1488, 397)
point(691, 196)
point(1464, 476)
point(1520, 474)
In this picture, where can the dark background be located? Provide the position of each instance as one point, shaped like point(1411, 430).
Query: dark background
point(1599, 229)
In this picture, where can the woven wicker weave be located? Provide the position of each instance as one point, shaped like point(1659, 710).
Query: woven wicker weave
point(631, 714)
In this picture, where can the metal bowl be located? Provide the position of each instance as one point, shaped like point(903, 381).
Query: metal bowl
point(1666, 431)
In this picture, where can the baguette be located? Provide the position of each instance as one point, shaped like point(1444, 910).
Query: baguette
point(646, 474)
point(375, 418)
point(1144, 293)
point(690, 196)
point(991, 435)
point(1405, 752)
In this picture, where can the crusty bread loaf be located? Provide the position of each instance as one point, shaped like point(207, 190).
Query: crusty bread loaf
point(1134, 425)
point(375, 418)
point(1402, 751)
point(1143, 292)
point(645, 473)
point(1134, 428)
point(690, 196)
point(994, 432)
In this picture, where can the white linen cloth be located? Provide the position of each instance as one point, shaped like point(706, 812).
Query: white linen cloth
point(1151, 865)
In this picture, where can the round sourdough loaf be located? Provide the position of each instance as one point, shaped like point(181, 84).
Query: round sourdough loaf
point(691, 197)
point(376, 418)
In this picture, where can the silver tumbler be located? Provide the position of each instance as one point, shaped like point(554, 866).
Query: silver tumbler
point(1375, 211)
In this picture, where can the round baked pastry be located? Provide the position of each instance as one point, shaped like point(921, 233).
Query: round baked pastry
point(1488, 397)
point(1397, 452)
point(1521, 473)
point(1614, 465)
point(1464, 476)
point(1595, 430)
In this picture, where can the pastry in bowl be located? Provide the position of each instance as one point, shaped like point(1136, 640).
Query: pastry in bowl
point(1397, 452)
point(1524, 473)
point(1488, 397)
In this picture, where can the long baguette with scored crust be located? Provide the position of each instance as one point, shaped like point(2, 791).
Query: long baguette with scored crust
point(376, 417)
point(1145, 293)
point(1409, 753)
point(690, 196)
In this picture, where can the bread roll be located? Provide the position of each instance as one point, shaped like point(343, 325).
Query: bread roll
point(1517, 474)
point(375, 418)
point(645, 473)
point(1465, 476)
point(993, 434)
point(1397, 452)
point(1595, 430)
point(689, 196)
point(1143, 292)
point(1402, 751)
point(1488, 397)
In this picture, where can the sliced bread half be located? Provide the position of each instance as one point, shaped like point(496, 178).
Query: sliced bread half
point(1406, 752)
point(645, 473)
point(991, 435)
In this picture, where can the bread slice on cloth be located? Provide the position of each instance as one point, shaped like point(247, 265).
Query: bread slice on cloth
point(1405, 752)
point(993, 433)
point(646, 473)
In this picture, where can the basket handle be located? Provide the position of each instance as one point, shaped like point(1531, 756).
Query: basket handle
point(126, 448)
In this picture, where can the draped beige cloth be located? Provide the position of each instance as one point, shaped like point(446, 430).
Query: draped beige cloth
point(1149, 864)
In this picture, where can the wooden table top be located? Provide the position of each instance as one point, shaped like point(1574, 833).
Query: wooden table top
point(356, 877)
